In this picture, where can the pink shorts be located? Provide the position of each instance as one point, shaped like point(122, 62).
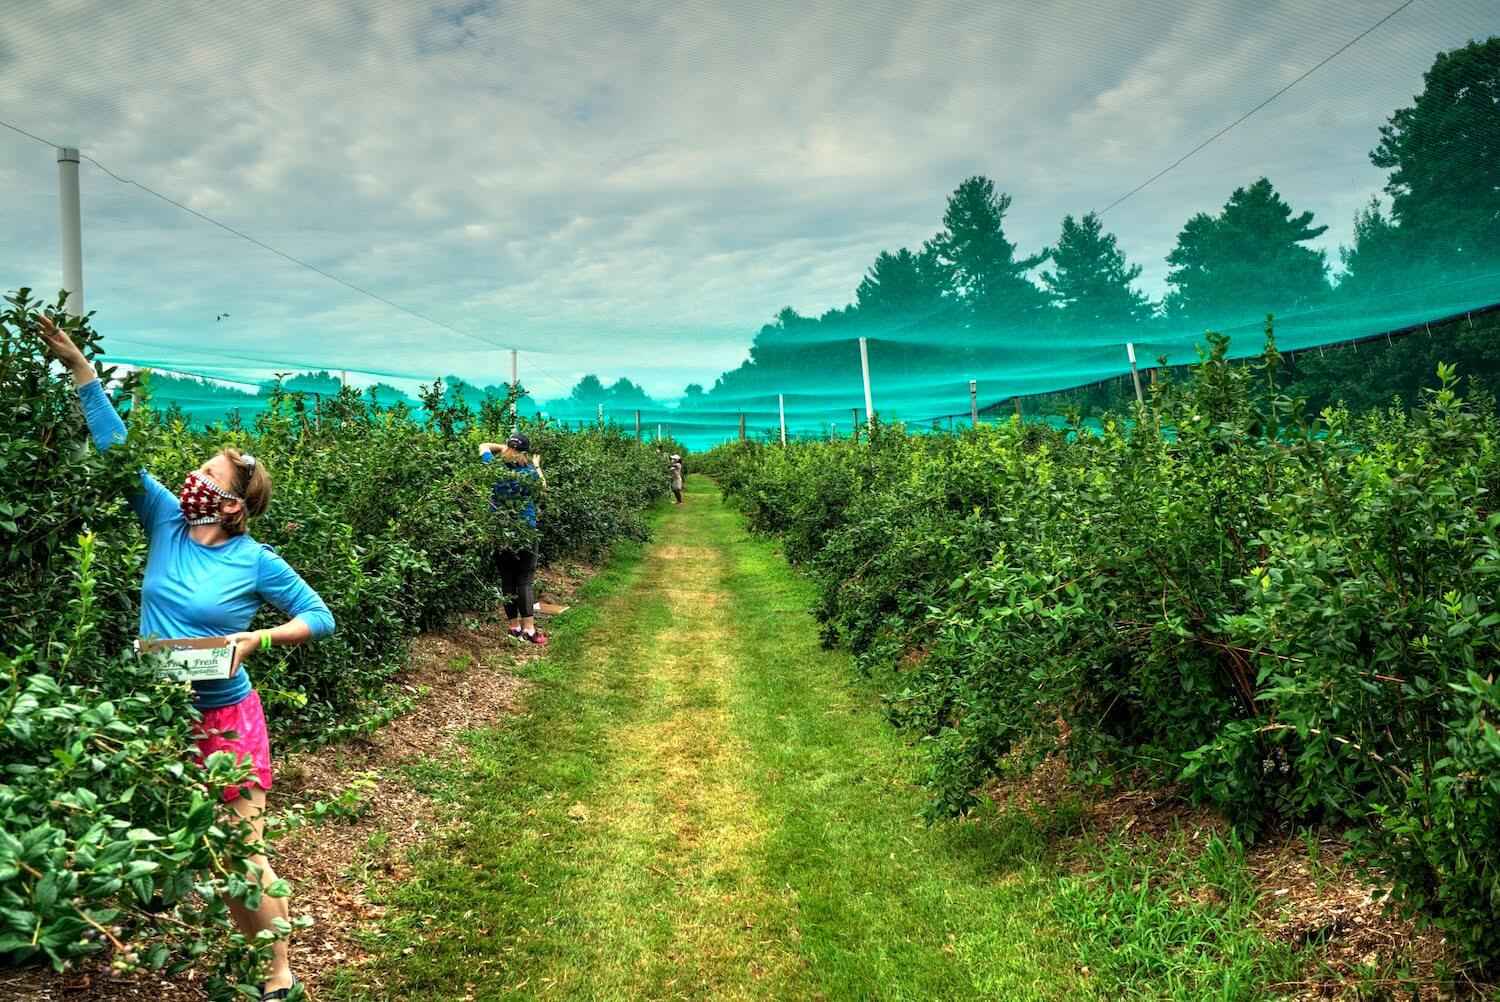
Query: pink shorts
point(241, 730)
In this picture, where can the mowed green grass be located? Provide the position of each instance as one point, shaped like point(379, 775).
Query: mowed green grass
point(699, 804)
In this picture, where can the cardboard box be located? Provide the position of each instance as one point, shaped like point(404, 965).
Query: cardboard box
point(193, 659)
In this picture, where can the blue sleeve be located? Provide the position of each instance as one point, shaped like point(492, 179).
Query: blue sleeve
point(153, 504)
point(284, 588)
point(104, 424)
point(486, 457)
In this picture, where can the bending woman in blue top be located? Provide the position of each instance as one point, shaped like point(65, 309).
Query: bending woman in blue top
point(518, 563)
point(205, 577)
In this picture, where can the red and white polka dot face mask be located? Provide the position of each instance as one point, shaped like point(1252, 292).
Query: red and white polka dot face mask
point(200, 499)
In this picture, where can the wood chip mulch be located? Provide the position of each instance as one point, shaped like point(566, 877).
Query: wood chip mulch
point(1308, 895)
point(460, 680)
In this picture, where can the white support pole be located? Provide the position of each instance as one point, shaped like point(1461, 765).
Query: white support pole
point(601, 415)
point(974, 401)
point(781, 407)
point(72, 228)
point(1140, 397)
point(864, 364)
point(658, 432)
point(515, 385)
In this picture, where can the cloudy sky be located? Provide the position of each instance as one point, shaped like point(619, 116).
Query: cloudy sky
point(633, 188)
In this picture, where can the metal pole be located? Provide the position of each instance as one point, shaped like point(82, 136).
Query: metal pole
point(1140, 397)
point(601, 415)
point(669, 430)
point(854, 421)
point(864, 364)
point(72, 228)
point(742, 426)
point(781, 407)
point(658, 431)
point(637, 425)
point(974, 401)
point(515, 386)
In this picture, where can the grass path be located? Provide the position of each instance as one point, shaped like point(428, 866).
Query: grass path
point(699, 804)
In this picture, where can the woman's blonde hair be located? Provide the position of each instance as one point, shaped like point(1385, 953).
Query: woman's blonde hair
point(252, 483)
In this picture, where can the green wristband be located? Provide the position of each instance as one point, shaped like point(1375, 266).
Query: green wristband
point(265, 640)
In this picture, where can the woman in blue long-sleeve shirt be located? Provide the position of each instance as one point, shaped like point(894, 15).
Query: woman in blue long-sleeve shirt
point(205, 577)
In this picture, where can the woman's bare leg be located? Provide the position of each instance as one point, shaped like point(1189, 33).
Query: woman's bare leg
point(252, 807)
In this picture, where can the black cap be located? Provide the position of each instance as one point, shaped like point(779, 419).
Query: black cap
point(519, 442)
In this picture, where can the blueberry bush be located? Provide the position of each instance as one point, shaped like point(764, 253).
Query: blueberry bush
point(1286, 615)
point(110, 832)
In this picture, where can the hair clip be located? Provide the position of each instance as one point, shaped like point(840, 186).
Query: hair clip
point(248, 460)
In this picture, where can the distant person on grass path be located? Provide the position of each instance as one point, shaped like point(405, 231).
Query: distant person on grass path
point(675, 468)
point(523, 477)
point(205, 577)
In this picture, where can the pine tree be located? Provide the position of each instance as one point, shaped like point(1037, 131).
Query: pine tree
point(1443, 153)
point(1234, 268)
point(588, 392)
point(1375, 257)
point(978, 264)
point(900, 287)
point(1091, 280)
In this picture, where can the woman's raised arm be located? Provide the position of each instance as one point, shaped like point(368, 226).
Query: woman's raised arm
point(153, 503)
point(65, 351)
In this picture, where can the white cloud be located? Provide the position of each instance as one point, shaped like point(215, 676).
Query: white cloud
point(635, 190)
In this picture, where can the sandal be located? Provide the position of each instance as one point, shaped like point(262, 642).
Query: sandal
point(279, 994)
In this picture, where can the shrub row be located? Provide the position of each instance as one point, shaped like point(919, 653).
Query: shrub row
point(107, 829)
point(1293, 616)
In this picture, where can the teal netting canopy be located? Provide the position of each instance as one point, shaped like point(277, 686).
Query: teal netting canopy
point(1113, 188)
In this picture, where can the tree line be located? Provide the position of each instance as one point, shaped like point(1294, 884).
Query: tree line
point(970, 300)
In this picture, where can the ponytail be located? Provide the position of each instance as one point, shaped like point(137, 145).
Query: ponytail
point(253, 484)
